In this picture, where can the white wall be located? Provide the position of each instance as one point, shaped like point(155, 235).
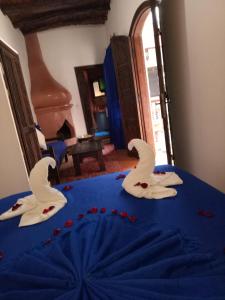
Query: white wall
point(67, 47)
point(12, 167)
point(14, 38)
point(195, 47)
point(121, 15)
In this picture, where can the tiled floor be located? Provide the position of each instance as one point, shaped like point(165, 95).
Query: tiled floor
point(115, 161)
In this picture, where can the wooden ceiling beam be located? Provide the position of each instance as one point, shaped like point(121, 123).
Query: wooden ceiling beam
point(52, 21)
point(36, 15)
point(20, 19)
point(30, 7)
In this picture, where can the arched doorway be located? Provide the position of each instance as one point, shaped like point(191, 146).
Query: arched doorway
point(146, 42)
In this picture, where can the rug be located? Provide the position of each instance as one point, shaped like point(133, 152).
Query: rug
point(116, 161)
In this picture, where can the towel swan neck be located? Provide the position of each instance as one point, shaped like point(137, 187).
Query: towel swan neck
point(146, 155)
point(39, 174)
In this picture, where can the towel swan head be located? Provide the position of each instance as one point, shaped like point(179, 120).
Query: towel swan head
point(39, 173)
point(145, 153)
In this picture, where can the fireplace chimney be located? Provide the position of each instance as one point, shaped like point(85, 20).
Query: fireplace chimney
point(50, 99)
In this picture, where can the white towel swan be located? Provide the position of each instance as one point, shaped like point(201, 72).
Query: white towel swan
point(141, 182)
point(43, 203)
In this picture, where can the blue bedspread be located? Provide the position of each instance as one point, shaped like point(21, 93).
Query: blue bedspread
point(171, 252)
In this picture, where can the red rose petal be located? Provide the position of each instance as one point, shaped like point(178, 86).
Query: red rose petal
point(51, 207)
point(80, 216)
point(124, 214)
point(114, 211)
point(45, 211)
point(144, 185)
point(56, 231)
point(67, 187)
point(1, 255)
point(68, 223)
point(103, 210)
point(16, 206)
point(132, 219)
point(93, 210)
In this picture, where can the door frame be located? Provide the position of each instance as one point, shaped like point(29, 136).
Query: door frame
point(86, 91)
point(141, 78)
point(33, 154)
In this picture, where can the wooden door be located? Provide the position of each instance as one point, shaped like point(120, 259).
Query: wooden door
point(83, 86)
point(20, 105)
point(164, 98)
point(122, 58)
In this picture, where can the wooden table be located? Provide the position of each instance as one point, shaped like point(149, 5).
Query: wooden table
point(86, 149)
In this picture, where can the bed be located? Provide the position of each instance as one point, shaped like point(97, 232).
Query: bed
point(107, 244)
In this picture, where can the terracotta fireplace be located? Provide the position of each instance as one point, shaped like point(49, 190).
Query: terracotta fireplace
point(50, 99)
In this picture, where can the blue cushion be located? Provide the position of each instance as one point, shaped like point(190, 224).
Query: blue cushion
point(102, 133)
point(59, 148)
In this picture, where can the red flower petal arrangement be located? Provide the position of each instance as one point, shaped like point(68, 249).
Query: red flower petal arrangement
point(69, 223)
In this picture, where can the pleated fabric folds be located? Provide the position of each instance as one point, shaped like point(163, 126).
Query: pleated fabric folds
point(106, 257)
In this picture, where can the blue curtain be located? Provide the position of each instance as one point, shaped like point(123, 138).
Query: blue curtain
point(115, 123)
